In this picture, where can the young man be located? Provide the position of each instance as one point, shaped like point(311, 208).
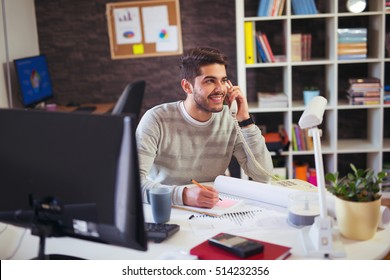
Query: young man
point(196, 138)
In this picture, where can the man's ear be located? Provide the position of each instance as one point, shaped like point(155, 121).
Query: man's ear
point(187, 86)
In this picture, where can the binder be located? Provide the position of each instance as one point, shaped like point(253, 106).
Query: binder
point(249, 43)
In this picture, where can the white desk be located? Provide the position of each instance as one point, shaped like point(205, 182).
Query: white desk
point(185, 239)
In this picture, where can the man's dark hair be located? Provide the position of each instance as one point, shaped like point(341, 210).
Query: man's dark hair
point(193, 59)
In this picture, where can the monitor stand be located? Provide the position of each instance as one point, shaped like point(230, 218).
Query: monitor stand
point(43, 227)
point(41, 250)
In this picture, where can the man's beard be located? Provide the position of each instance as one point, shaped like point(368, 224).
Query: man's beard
point(203, 104)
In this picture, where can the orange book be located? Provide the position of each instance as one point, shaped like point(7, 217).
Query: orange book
point(268, 47)
point(264, 47)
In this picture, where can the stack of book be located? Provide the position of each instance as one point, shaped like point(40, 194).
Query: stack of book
point(304, 7)
point(352, 43)
point(272, 99)
point(300, 47)
point(364, 91)
point(301, 141)
point(386, 95)
point(264, 50)
point(270, 8)
point(387, 5)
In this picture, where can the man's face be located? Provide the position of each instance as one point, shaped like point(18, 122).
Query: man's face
point(210, 88)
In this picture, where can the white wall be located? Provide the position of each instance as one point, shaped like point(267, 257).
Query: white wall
point(22, 38)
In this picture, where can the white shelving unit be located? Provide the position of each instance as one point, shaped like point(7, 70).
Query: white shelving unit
point(350, 132)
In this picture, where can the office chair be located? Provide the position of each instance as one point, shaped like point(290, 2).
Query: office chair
point(130, 101)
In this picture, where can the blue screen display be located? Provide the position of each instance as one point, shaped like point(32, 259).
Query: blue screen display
point(34, 79)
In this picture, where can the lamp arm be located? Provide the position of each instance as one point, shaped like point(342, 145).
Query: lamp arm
point(316, 133)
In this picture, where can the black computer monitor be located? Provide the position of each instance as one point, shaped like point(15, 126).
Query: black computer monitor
point(34, 80)
point(67, 174)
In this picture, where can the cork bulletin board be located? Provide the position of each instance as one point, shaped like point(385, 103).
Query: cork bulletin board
point(144, 28)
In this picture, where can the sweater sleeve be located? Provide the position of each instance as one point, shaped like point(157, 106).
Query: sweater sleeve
point(148, 134)
point(256, 143)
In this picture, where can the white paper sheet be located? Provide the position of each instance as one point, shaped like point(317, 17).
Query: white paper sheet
point(127, 26)
point(154, 18)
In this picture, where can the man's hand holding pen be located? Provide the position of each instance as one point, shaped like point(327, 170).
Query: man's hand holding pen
point(205, 196)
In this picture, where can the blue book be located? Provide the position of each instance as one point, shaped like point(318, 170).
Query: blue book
point(351, 56)
point(313, 7)
point(297, 7)
point(352, 39)
point(305, 7)
point(263, 7)
point(263, 57)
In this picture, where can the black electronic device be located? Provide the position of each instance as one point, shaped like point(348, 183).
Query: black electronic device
point(160, 232)
point(240, 246)
point(34, 80)
point(71, 175)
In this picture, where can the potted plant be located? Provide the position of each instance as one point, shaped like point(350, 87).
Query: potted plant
point(357, 201)
point(309, 93)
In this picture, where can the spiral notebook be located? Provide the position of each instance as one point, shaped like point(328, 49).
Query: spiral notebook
point(225, 205)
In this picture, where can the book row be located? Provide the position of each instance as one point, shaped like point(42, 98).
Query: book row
point(300, 139)
point(300, 47)
point(264, 51)
point(270, 8)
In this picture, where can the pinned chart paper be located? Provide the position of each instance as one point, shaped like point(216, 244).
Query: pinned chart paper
point(167, 40)
point(127, 26)
point(154, 18)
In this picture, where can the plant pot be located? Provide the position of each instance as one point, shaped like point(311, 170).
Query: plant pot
point(357, 220)
point(308, 95)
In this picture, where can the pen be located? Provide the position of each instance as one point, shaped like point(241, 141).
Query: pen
point(201, 186)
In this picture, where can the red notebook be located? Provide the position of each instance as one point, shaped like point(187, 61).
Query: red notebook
point(272, 251)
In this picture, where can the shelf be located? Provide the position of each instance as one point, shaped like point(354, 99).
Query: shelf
point(370, 146)
point(355, 146)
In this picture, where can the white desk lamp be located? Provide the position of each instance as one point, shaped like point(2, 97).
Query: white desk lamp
point(318, 239)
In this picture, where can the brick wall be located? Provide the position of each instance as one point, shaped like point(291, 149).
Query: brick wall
point(73, 35)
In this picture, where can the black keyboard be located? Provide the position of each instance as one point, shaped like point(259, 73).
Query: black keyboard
point(160, 232)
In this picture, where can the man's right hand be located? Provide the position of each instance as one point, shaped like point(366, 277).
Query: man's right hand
point(200, 198)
